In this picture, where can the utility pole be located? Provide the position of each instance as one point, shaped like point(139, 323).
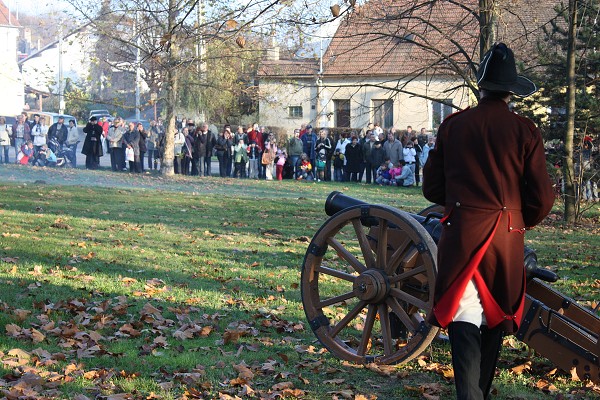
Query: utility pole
point(61, 100)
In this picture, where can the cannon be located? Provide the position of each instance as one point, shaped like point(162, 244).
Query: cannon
point(367, 285)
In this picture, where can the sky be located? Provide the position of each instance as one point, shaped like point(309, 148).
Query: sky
point(33, 7)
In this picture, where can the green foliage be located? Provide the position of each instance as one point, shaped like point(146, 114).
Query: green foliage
point(553, 57)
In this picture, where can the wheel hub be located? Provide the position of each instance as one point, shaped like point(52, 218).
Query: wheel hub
point(372, 286)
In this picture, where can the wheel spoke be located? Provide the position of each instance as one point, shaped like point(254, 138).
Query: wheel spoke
point(397, 255)
point(366, 334)
point(384, 320)
point(364, 243)
point(337, 273)
point(399, 294)
point(335, 300)
point(382, 244)
point(346, 255)
point(346, 320)
point(404, 257)
point(407, 274)
point(402, 315)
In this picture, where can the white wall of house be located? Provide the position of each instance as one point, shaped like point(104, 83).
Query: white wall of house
point(276, 98)
point(408, 109)
point(11, 81)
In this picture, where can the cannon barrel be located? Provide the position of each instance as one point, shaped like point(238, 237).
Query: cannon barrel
point(337, 201)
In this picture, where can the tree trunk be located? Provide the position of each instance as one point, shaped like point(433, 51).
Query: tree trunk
point(171, 89)
point(568, 168)
point(488, 15)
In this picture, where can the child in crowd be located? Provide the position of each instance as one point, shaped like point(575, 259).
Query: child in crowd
point(338, 166)
point(321, 162)
point(394, 172)
point(383, 174)
point(26, 153)
point(279, 163)
point(305, 171)
point(407, 177)
point(254, 158)
point(45, 157)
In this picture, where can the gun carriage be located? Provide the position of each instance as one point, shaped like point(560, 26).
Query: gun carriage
point(367, 286)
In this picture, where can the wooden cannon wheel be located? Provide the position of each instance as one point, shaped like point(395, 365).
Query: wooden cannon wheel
point(367, 285)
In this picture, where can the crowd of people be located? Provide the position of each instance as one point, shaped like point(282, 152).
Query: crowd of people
point(371, 155)
point(253, 152)
point(37, 143)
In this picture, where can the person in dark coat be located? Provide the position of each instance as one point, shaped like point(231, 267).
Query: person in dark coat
point(58, 130)
point(354, 157)
point(143, 147)
point(489, 171)
point(92, 145)
point(199, 149)
point(131, 139)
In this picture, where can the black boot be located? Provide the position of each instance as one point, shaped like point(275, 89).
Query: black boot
point(491, 343)
point(465, 341)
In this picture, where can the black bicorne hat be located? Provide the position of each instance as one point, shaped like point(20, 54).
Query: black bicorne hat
point(498, 73)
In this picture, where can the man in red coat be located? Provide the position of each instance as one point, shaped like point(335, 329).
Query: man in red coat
point(488, 169)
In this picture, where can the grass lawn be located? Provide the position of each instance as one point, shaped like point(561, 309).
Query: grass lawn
point(139, 287)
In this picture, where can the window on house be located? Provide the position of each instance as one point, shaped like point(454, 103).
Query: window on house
point(295, 111)
point(441, 109)
point(342, 113)
point(383, 113)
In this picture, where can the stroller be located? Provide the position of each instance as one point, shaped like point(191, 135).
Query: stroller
point(64, 155)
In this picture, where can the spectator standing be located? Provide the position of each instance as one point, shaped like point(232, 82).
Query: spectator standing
point(178, 143)
point(39, 132)
point(58, 130)
point(34, 121)
point(253, 160)
point(20, 133)
point(186, 160)
point(393, 149)
point(295, 149)
point(143, 146)
point(370, 168)
point(211, 140)
point(340, 148)
point(240, 158)
point(71, 142)
point(115, 144)
point(131, 140)
point(279, 163)
point(376, 158)
point(5, 134)
point(309, 141)
point(353, 157)
point(270, 147)
point(338, 166)
point(92, 145)
point(323, 148)
point(151, 146)
point(489, 172)
point(200, 142)
point(410, 156)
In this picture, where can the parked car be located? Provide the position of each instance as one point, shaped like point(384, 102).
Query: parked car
point(100, 113)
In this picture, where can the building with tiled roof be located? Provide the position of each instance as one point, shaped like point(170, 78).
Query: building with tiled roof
point(11, 82)
point(394, 63)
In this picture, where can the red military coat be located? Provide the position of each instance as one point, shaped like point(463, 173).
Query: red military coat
point(488, 169)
